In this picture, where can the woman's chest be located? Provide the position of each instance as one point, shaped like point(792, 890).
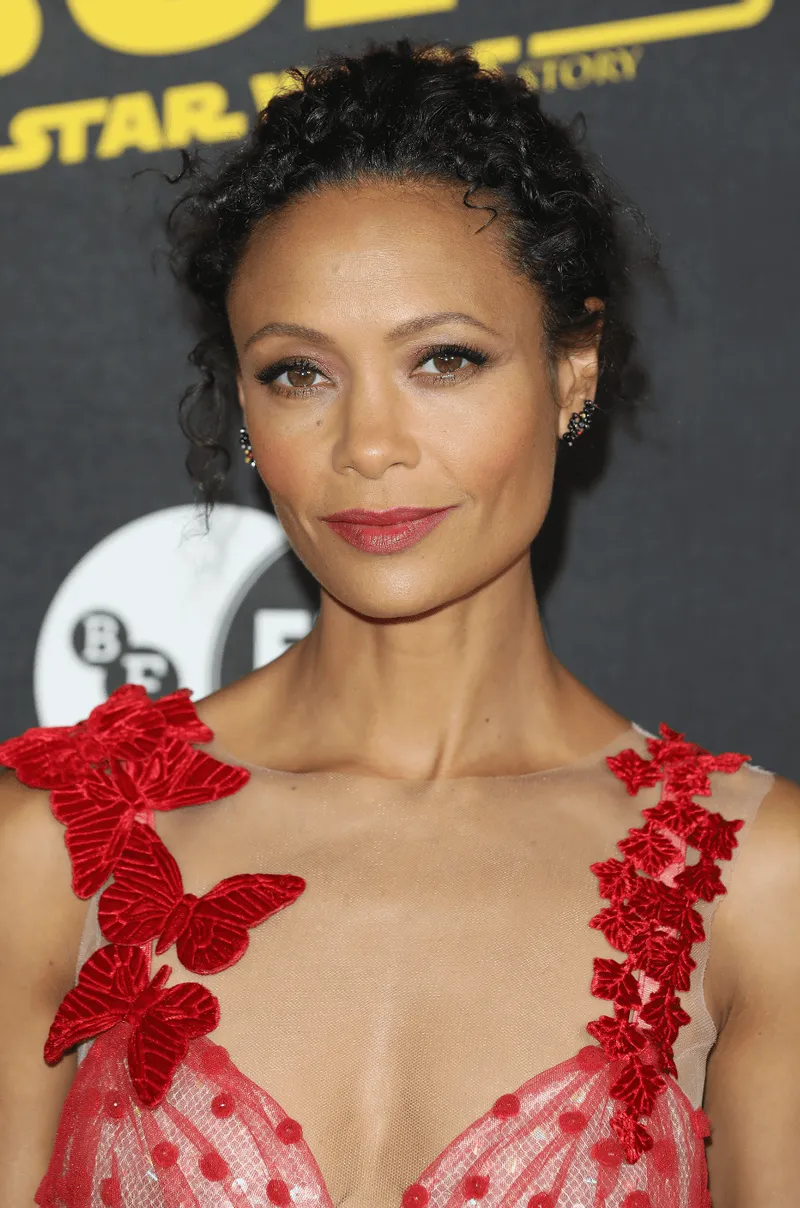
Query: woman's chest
point(439, 956)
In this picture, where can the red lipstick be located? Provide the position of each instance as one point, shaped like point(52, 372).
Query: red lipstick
point(385, 532)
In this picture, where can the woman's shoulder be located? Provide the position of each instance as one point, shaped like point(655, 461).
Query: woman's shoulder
point(31, 840)
point(41, 919)
point(754, 937)
point(248, 719)
point(769, 863)
point(28, 830)
point(233, 711)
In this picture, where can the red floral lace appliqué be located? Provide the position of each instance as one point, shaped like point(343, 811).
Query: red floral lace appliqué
point(652, 920)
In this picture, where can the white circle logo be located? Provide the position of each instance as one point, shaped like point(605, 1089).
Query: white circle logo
point(154, 604)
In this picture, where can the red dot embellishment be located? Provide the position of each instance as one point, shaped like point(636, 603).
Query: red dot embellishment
point(165, 1154)
point(637, 1199)
point(476, 1186)
point(541, 1200)
point(415, 1196)
point(506, 1107)
point(289, 1131)
point(572, 1122)
point(608, 1153)
point(223, 1105)
point(701, 1123)
point(278, 1193)
point(213, 1166)
point(665, 1158)
point(114, 1105)
point(214, 1058)
point(591, 1058)
point(110, 1193)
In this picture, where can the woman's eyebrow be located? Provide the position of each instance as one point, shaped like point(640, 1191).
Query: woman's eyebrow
point(412, 326)
point(291, 329)
point(409, 328)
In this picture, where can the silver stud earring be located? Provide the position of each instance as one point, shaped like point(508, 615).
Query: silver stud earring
point(244, 441)
point(578, 423)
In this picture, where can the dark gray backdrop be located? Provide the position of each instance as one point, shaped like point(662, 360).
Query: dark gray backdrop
point(676, 594)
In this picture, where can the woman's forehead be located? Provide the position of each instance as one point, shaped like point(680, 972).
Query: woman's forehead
point(386, 243)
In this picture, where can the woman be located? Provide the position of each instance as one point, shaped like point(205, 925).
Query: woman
point(411, 963)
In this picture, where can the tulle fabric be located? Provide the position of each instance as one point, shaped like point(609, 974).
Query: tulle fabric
point(557, 1150)
point(220, 1139)
point(212, 1141)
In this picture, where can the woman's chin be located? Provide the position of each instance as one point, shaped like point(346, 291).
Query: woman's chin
point(388, 602)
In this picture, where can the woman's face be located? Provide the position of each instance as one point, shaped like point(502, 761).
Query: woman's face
point(390, 358)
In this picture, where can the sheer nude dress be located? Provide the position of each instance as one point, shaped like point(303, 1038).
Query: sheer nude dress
point(439, 957)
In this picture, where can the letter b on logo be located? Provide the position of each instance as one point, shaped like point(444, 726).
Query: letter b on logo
point(99, 638)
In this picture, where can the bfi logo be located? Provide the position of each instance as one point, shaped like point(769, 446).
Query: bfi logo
point(101, 641)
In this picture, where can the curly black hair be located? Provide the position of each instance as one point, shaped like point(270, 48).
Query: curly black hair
point(406, 112)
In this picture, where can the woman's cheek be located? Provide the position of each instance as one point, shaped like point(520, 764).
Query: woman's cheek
point(506, 448)
point(284, 464)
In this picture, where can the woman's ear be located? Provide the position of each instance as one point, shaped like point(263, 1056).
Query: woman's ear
point(577, 370)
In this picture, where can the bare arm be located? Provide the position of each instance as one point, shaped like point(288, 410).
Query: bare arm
point(40, 928)
point(753, 986)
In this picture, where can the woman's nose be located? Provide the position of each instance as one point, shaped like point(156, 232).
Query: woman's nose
point(375, 431)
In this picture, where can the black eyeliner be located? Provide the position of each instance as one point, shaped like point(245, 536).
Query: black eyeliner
point(465, 350)
point(270, 372)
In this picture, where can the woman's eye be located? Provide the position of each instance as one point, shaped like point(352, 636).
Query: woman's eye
point(448, 362)
point(291, 379)
point(445, 362)
point(300, 377)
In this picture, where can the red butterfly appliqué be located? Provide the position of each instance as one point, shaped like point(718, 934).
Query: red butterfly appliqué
point(99, 811)
point(147, 901)
point(126, 726)
point(113, 987)
point(130, 757)
point(107, 775)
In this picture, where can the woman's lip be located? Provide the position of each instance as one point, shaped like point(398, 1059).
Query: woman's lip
point(388, 516)
point(387, 536)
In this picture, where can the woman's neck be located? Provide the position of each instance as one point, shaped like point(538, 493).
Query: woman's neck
point(471, 689)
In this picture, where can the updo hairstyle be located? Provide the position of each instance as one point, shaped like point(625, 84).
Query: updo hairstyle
point(405, 112)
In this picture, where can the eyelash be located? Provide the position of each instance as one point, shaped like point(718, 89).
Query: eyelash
point(269, 373)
